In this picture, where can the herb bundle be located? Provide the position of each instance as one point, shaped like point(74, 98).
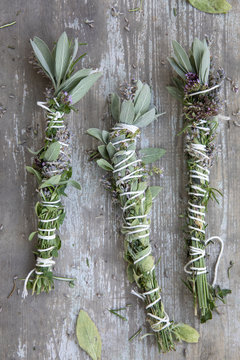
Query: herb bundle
point(197, 87)
point(128, 183)
point(52, 166)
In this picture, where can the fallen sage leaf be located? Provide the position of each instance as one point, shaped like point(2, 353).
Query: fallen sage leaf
point(211, 6)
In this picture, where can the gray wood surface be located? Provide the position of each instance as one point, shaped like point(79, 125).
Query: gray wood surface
point(43, 327)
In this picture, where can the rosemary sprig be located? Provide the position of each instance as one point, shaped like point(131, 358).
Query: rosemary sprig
point(197, 87)
point(128, 182)
point(52, 166)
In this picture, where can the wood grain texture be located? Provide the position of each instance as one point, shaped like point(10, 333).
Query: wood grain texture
point(43, 327)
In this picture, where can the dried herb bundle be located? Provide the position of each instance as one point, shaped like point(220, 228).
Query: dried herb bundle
point(197, 87)
point(52, 166)
point(128, 182)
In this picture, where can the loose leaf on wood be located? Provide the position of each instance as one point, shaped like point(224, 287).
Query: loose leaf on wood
point(62, 57)
point(82, 88)
point(105, 165)
point(127, 112)
point(88, 336)
point(149, 155)
point(34, 172)
point(211, 6)
point(53, 151)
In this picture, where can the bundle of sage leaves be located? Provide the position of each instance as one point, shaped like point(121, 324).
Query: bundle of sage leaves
point(197, 88)
point(52, 165)
point(128, 181)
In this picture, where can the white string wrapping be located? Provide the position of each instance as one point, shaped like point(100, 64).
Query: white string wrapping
point(54, 120)
point(128, 227)
point(197, 212)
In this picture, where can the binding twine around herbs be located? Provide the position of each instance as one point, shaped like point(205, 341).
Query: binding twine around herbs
point(197, 87)
point(128, 182)
point(52, 166)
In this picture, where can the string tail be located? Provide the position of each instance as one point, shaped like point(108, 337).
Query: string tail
point(25, 292)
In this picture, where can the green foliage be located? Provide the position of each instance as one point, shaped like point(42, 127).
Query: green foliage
point(88, 336)
point(186, 333)
point(59, 64)
point(150, 155)
point(211, 6)
point(53, 151)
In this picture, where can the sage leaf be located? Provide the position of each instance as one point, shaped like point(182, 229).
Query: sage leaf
point(52, 152)
point(111, 150)
point(105, 136)
point(70, 83)
point(62, 57)
point(75, 184)
point(143, 100)
point(54, 180)
point(139, 86)
point(186, 333)
point(34, 152)
point(88, 336)
point(155, 190)
point(175, 92)
point(146, 118)
point(115, 106)
point(42, 46)
point(127, 112)
point(43, 62)
point(31, 170)
point(198, 50)
point(96, 133)
point(175, 66)
point(205, 66)
point(82, 88)
point(149, 155)
point(102, 149)
point(105, 165)
point(211, 6)
point(182, 56)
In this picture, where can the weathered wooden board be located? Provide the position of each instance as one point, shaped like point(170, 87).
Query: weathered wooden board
point(43, 327)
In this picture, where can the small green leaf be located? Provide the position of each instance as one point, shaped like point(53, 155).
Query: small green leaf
point(111, 150)
point(34, 152)
point(211, 6)
point(54, 180)
point(34, 172)
point(62, 57)
point(88, 336)
point(127, 112)
point(105, 136)
point(96, 133)
point(74, 184)
point(155, 190)
point(105, 165)
point(149, 155)
point(198, 50)
point(52, 152)
point(205, 66)
point(115, 106)
point(139, 86)
point(42, 46)
point(31, 236)
point(82, 88)
point(186, 333)
point(130, 274)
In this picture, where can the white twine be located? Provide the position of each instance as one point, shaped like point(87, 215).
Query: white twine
point(136, 229)
point(54, 117)
point(199, 151)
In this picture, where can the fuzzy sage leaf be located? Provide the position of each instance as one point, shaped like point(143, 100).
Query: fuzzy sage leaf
point(88, 336)
point(211, 6)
